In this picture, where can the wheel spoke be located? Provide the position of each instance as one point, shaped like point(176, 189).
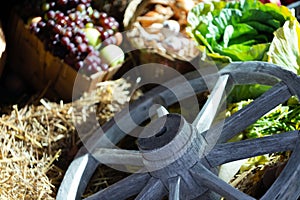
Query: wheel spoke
point(123, 189)
point(174, 188)
point(77, 176)
point(157, 111)
point(212, 182)
point(154, 190)
point(227, 152)
point(255, 110)
point(207, 114)
point(239, 78)
point(287, 184)
point(118, 156)
point(161, 111)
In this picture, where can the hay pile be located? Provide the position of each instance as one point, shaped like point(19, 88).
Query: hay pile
point(39, 141)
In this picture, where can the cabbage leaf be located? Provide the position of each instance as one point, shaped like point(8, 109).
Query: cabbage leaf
point(237, 30)
point(244, 31)
point(285, 47)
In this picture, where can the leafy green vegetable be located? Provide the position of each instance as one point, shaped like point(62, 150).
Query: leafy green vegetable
point(254, 161)
point(285, 47)
point(283, 118)
point(242, 92)
point(238, 30)
point(242, 31)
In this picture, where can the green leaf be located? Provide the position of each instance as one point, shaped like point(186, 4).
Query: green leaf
point(237, 31)
point(261, 27)
point(274, 23)
point(202, 40)
point(225, 17)
point(256, 15)
point(241, 52)
point(244, 39)
point(281, 13)
point(245, 92)
point(199, 14)
point(283, 118)
point(241, 30)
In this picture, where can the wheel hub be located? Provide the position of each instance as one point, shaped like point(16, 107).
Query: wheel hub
point(170, 147)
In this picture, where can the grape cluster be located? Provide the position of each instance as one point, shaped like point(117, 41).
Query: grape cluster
point(63, 26)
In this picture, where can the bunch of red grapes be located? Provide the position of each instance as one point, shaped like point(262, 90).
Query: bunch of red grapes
point(61, 30)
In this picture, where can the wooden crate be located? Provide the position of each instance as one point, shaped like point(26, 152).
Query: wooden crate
point(41, 69)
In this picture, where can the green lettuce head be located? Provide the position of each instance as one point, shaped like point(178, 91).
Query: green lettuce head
point(237, 30)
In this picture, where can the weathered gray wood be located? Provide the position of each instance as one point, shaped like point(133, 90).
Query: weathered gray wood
point(118, 157)
point(287, 185)
point(242, 78)
point(252, 112)
point(208, 112)
point(157, 111)
point(154, 190)
point(123, 189)
point(294, 5)
point(174, 188)
point(179, 153)
point(79, 172)
point(289, 78)
point(227, 152)
point(127, 120)
point(210, 180)
point(138, 109)
point(158, 95)
point(172, 151)
point(113, 134)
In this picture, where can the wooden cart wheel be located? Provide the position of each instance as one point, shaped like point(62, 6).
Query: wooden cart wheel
point(180, 158)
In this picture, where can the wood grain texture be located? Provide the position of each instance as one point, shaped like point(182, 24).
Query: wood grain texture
point(255, 110)
point(174, 188)
point(123, 189)
point(153, 190)
point(227, 152)
point(287, 184)
point(210, 180)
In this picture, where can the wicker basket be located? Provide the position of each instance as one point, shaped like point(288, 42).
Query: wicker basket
point(148, 52)
point(41, 69)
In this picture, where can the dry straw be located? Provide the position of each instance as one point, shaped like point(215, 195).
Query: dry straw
point(37, 140)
